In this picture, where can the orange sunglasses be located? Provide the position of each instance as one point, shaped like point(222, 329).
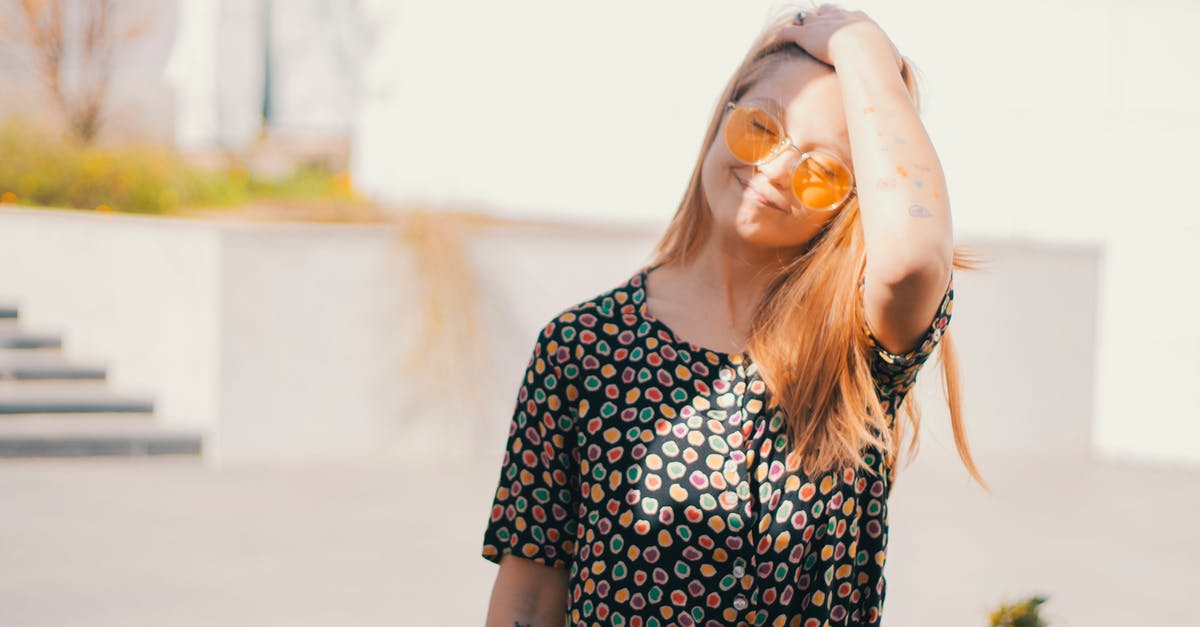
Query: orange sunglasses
point(820, 181)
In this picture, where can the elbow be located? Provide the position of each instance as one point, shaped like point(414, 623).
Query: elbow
point(931, 271)
point(924, 268)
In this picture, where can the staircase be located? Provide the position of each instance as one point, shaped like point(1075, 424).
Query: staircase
point(53, 407)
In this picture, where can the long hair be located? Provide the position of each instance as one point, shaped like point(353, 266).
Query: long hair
point(817, 366)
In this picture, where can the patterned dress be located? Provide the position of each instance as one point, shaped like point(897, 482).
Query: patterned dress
point(650, 469)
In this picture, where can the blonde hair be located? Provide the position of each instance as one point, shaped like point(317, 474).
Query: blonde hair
point(818, 366)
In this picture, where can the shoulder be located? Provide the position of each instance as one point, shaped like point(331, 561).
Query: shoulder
point(592, 324)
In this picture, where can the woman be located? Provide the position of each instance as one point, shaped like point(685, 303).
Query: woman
point(713, 441)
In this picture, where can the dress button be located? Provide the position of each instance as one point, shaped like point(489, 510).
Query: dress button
point(740, 602)
point(739, 571)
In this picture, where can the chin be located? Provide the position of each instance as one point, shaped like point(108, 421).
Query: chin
point(764, 227)
point(762, 236)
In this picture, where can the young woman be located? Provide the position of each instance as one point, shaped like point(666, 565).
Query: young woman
point(713, 441)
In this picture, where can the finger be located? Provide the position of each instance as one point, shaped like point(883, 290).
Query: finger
point(811, 15)
point(790, 32)
point(781, 36)
point(787, 32)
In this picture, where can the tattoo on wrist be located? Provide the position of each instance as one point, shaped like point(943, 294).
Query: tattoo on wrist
point(920, 211)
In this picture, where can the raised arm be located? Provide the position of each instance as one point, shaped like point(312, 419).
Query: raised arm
point(906, 218)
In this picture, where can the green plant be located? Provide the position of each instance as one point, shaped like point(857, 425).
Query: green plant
point(1021, 614)
point(305, 182)
point(40, 168)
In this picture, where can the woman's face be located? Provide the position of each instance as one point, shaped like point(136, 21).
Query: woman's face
point(809, 96)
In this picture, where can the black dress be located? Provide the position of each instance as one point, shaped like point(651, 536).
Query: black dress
point(649, 468)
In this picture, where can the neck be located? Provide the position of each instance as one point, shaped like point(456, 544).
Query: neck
point(734, 276)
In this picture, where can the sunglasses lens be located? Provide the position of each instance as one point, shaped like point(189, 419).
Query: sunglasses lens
point(751, 134)
point(822, 181)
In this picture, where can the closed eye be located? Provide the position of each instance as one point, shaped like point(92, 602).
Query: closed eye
point(762, 128)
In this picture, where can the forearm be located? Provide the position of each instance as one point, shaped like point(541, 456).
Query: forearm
point(521, 613)
point(906, 220)
point(527, 594)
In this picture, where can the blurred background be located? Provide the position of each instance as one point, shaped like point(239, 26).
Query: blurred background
point(270, 272)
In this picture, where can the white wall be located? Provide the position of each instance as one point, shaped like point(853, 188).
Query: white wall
point(1150, 348)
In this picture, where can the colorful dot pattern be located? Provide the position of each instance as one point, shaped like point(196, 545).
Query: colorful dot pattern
point(651, 470)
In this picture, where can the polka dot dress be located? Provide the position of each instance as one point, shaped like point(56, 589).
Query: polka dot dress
point(650, 469)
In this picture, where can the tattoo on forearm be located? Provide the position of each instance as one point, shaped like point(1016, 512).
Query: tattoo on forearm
point(890, 182)
point(881, 142)
point(920, 211)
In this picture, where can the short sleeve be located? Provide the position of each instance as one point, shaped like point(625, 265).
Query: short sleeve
point(895, 373)
point(533, 509)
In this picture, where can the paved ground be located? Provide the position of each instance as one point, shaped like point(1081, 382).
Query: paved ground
point(167, 542)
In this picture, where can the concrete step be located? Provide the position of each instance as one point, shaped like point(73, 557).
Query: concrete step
point(67, 435)
point(70, 399)
point(45, 352)
point(48, 385)
point(21, 365)
point(21, 339)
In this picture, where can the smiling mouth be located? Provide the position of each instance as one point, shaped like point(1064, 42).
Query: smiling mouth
point(759, 198)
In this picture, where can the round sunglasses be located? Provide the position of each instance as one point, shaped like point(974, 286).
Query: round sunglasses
point(820, 181)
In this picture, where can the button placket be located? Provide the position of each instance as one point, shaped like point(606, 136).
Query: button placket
point(735, 467)
point(745, 575)
point(751, 513)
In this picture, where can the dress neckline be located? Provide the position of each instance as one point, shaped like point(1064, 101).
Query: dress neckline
point(678, 342)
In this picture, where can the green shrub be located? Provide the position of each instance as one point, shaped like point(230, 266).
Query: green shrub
point(1022, 614)
point(41, 169)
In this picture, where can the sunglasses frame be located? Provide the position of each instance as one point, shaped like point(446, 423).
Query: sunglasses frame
point(785, 143)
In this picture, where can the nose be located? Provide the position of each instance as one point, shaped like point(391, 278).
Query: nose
point(778, 169)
